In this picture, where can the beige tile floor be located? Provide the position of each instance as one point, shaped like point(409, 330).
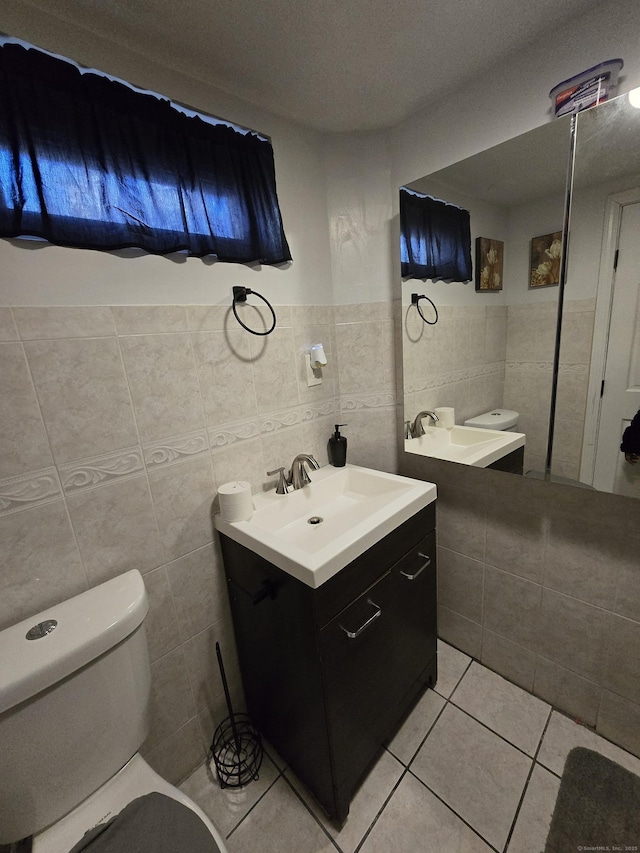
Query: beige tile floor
point(475, 768)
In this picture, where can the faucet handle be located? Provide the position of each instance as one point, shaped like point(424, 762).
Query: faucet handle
point(283, 482)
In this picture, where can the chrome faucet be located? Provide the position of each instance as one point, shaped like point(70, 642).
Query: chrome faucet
point(298, 477)
point(416, 429)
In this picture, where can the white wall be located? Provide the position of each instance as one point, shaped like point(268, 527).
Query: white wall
point(359, 190)
point(46, 275)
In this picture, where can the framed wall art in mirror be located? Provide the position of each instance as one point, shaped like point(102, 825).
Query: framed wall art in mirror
point(489, 267)
point(546, 255)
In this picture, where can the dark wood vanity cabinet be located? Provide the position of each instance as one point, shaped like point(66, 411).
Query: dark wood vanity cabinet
point(329, 673)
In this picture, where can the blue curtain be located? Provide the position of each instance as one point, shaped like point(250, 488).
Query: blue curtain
point(435, 239)
point(88, 162)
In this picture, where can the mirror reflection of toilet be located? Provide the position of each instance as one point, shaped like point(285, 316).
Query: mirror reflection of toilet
point(502, 419)
point(74, 704)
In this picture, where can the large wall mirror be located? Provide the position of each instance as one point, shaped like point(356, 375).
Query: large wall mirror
point(496, 349)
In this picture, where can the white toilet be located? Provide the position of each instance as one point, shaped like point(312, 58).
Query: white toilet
point(73, 714)
point(502, 419)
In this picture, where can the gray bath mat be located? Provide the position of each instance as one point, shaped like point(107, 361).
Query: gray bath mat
point(598, 806)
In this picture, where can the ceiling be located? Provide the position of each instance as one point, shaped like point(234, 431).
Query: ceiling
point(534, 165)
point(334, 65)
point(518, 171)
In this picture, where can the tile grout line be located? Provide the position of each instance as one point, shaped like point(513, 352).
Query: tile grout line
point(397, 784)
point(310, 810)
point(421, 744)
point(449, 701)
point(407, 765)
point(534, 763)
point(497, 734)
point(260, 798)
point(405, 770)
point(453, 811)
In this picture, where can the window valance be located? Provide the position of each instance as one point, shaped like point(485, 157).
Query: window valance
point(88, 162)
point(435, 238)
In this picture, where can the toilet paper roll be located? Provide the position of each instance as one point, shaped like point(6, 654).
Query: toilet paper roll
point(236, 503)
point(446, 417)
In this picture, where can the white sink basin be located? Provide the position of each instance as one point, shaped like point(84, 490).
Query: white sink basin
point(358, 507)
point(469, 445)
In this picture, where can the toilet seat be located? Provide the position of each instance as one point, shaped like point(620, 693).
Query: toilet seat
point(135, 779)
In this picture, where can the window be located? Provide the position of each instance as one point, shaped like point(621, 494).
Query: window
point(87, 161)
point(435, 238)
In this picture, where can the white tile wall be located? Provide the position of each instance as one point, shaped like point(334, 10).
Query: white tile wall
point(537, 581)
point(116, 427)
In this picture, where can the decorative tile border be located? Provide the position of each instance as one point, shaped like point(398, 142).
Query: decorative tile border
point(280, 420)
point(223, 436)
point(312, 411)
point(29, 490)
point(100, 470)
point(157, 454)
point(228, 434)
point(452, 376)
point(355, 402)
point(529, 366)
point(535, 366)
point(577, 367)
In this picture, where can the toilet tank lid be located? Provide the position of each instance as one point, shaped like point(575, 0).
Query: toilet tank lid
point(88, 626)
point(494, 419)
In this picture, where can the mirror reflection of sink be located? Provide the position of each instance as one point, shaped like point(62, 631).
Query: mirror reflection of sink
point(314, 532)
point(460, 435)
point(468, 445)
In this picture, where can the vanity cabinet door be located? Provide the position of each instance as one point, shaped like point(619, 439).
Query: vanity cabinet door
point(376, 655)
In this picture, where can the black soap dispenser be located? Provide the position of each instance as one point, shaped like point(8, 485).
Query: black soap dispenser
point(337, 448)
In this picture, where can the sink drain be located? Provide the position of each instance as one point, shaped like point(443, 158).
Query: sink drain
point(315, 519)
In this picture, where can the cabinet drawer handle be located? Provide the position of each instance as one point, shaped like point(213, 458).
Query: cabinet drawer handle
point(420, 570)
point(353, 634)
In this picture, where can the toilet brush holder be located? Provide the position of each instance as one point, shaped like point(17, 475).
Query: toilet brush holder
point(236, 748)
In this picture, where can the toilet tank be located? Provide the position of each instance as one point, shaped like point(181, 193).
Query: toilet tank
point(73, 703)
point(502, 419)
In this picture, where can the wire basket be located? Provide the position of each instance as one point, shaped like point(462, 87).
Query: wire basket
point(236, 748)
point(236, 751)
